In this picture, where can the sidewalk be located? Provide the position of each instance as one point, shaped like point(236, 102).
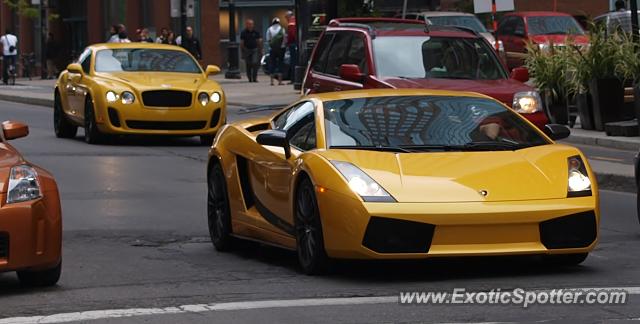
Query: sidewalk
point(240, 93)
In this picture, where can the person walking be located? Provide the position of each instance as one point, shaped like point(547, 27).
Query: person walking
point(620, 5)
point(190, 43)
point(113, 34)
point(171, 38)
point(251, 47)
point(9, 43)
point(144, 36)
point(51, 54)
point(164, 34)
point(122, 34)
point(292, 44)
point(275, 38)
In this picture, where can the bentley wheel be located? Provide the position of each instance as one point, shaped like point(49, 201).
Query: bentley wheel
point(41, 278)
point(567, 259)
point(310, 243)
point(92, 134)
point(218, 213)
point(61, 125)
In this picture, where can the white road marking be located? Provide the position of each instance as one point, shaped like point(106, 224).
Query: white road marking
point(233, 306)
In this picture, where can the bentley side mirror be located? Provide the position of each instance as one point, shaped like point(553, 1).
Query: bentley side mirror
point(212, 70)
point(75, 68)
point(274, 137)
point(557, 131)
point(12, 130)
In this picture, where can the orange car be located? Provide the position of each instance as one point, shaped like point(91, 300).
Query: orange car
point(30, 215)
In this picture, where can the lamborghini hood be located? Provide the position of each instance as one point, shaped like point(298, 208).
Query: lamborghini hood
point(527, 174)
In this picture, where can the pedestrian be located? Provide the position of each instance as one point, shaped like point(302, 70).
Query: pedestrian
point(251, 47)
point(275, 38)
point(9, 43)
point(144, 36)
point(113, 34)
point(620, 5)
point(190, 43)
point(164, 33)
point(292, 44)
point(171, 38)
point(122, 34)
point(51, 53)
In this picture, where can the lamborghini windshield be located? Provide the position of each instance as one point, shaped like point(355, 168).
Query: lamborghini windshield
point(145, 60)
point(423, 123)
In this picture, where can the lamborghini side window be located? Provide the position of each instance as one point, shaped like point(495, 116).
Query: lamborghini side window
point(290, 117)
point(304, 134)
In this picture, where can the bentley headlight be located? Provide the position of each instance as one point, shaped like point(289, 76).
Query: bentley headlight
point(579, 183)
point(111, 96)
point(527, 102)
point(203, 98)
point(128, 98)
point(361, 184)
point(216, 97)
point(23, 184)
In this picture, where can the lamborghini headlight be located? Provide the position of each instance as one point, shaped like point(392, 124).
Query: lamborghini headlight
point(23, 184)
point(527, 102)
point(361, 184)
point(203, 98)
point(579, 183)
point(111, 96)
point(216, 97)
point(128, 98)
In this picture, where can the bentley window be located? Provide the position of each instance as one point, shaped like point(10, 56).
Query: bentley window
point(145, 60)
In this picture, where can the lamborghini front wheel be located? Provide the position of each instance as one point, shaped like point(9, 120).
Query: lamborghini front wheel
point(218, 215)
point(310, 242)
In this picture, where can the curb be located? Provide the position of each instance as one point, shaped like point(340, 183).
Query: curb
point(27, 100)
point(614, 142)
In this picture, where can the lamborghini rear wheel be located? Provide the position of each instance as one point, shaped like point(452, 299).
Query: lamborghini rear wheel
point(312, 256)
point(218, 215)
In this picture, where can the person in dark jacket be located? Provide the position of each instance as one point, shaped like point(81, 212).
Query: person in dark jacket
point(51, 54)
point(190, 43)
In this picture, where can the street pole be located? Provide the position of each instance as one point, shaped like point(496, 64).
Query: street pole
point(183, 20)
point(634, 20)
point(404, 9)
point(232, 56)
point(43, 40)
point(493, 17)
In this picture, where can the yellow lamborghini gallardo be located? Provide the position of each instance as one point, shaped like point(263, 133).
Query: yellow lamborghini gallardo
point(137, 88)
point(399, 174)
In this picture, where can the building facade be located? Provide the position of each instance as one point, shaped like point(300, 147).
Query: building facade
point(76, 24)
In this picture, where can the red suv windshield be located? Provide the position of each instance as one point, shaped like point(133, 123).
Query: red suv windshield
point(436, 57)
point(553, 25)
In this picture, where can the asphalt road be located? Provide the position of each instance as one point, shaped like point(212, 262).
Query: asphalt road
point(135, 236)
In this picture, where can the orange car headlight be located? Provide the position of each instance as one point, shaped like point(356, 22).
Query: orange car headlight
point(361, 184)
point(23, 184)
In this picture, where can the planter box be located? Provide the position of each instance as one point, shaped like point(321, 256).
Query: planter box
point(608, 101)
point(636, 102)
point(585, 110)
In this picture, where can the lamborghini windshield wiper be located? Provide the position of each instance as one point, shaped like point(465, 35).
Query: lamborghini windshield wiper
point(372, 148)
point(471, 146)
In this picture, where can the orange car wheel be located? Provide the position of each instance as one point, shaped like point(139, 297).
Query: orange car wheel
point(40, 278)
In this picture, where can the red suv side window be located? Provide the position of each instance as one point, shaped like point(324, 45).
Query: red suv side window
point(322, 52)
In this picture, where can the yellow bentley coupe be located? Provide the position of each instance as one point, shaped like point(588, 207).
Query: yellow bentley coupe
point(401, 174)
point(137, 88)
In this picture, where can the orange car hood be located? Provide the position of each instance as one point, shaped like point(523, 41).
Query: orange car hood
point(527, 174)
point(8, 158)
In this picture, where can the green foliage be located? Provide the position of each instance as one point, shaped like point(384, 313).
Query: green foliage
point(628, 62)
point(548, 67)
point(24, 8)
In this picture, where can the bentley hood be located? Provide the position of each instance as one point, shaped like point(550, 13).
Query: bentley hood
point(157, 80)
point(527, 174)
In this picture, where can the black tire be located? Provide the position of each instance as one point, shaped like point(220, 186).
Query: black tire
point(92, 134)
point(312, 256)
point(206, 140)
point(41, 278)
point(567, 259)
point(638, 205)
point(218, 212)
point(61, 125)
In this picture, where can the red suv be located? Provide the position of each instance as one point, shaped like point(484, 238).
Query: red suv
point(362, 53)
point(539, 27)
